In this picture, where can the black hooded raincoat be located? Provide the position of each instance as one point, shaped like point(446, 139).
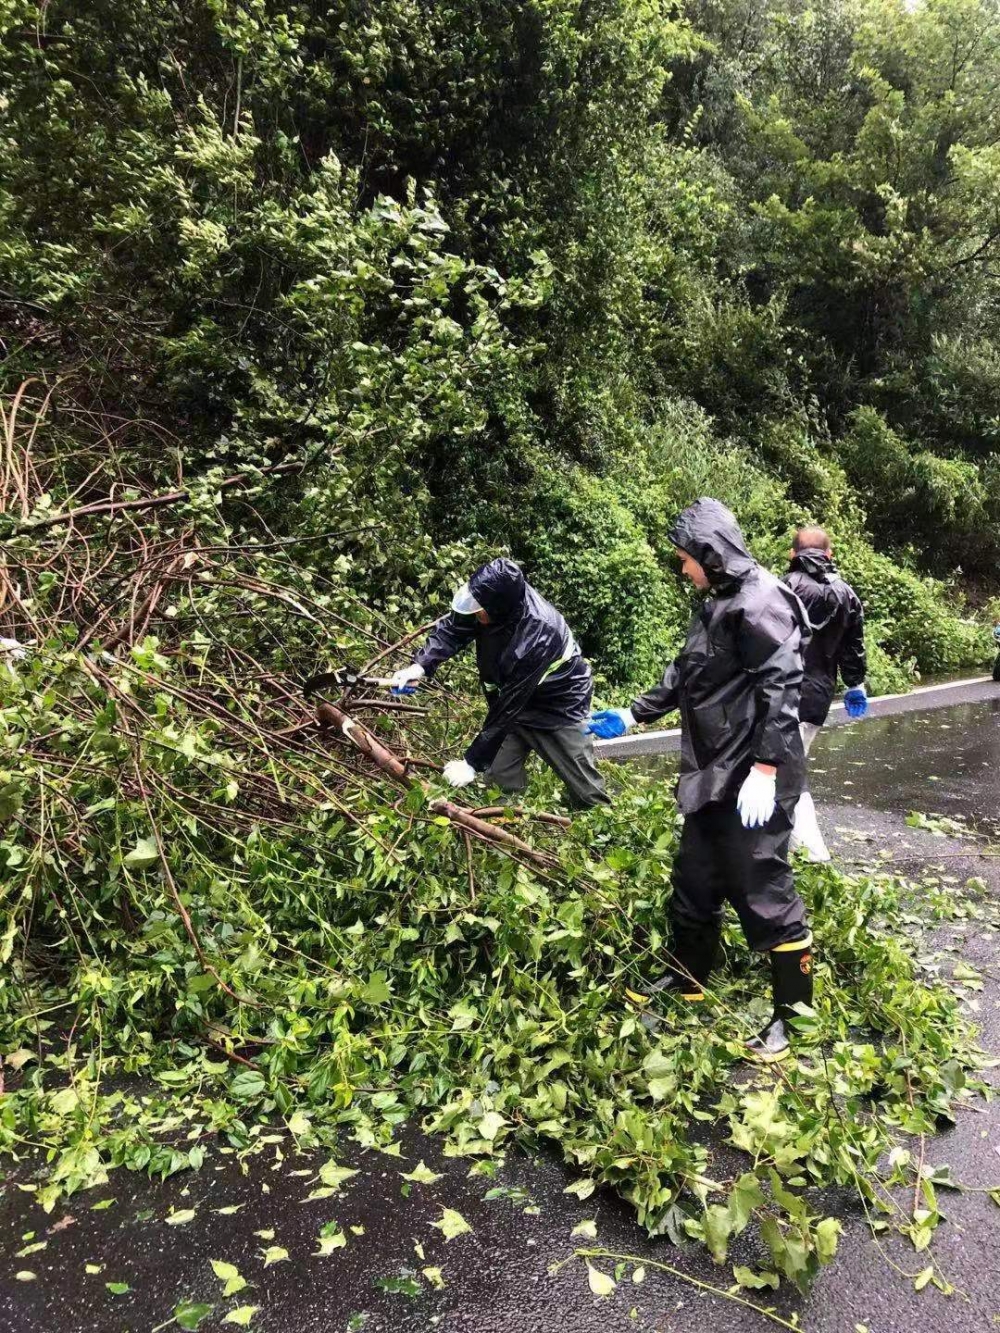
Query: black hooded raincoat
point(838, 631)
point(529, 663)
point(738, 677)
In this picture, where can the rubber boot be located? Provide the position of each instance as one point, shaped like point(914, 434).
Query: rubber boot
point(791, 984)
point(694, 952)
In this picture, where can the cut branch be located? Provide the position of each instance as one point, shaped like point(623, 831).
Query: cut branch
point(330, 716)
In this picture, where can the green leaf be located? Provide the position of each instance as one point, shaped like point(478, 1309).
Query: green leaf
point(242, 1315)
point(329, 1242)
point(189, 1314)
point(942, 1176)
point(827, 1235)
point(659, 1065)
point(717, 1227)
point(333, 1176)
point(421, 1175)
point(274, 1254)
point(452, 1224)
point(600, 1283)
point(403, 1285)
point(144, 853)
point(490, 1125)
point(118, 1288)
point(246, 1084)
point(583, 1189)
point(230, 1275)
point(586, 1229)
point(377, 989)
point(180, 1219)
point(434, 1276)
point(31, 1249)
point(746, 1196)
point(922, 1279)
point(746, 1277)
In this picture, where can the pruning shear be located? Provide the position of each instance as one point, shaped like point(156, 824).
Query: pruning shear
point(344, 678)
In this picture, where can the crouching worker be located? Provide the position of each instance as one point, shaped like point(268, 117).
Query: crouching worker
point(537, 685)
point(736, 684)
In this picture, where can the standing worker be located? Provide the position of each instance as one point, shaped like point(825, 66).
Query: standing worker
point(537, 684)
point(736, 684)
point(837, 619)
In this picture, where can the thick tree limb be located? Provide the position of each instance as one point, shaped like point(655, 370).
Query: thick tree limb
point(329, 715)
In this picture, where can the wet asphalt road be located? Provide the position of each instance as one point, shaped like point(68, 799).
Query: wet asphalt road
point(865, 778)
point(943, 694)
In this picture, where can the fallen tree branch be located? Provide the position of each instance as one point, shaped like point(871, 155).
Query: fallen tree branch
point(330, 716)
point(518, 812)
point(370, 666)
point(145, 502)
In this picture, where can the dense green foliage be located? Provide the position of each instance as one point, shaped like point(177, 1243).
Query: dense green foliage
point(529, 276)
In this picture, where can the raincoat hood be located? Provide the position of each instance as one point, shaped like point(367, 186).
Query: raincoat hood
point(498, 588)
point(812, 560)
point(708, 531)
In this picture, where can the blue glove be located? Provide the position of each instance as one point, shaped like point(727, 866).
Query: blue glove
point(856, 701)
point(609, 723)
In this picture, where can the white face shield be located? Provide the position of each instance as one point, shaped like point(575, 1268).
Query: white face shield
point(463, 603)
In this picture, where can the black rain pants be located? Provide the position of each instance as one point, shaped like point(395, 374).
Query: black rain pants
point(718, 861)
point(567, 750)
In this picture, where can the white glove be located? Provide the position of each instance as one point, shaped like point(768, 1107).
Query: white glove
point(457, 773)
point(757, 798)
point(13, 649)
point(406, 678)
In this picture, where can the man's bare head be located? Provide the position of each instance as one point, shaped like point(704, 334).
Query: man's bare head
point(812, 539)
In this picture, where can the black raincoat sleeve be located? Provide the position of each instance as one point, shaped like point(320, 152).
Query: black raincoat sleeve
point(853, 662)
point(770, 648)
point(507, 703)
point(448, 637)
point(662, 698)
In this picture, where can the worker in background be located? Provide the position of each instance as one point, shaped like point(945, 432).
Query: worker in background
point(736, 683)
point(537, 684)
point(837, 619)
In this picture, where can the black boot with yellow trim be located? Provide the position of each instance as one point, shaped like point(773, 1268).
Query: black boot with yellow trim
point(791, 984)
point(694, 957)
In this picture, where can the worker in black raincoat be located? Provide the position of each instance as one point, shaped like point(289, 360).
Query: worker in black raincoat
point(537, 684)
point(736, 683)
point(837, 619)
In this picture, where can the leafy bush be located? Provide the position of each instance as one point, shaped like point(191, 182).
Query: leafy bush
point(913, 615)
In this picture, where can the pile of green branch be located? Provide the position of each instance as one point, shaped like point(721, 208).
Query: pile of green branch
point(261, 918)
